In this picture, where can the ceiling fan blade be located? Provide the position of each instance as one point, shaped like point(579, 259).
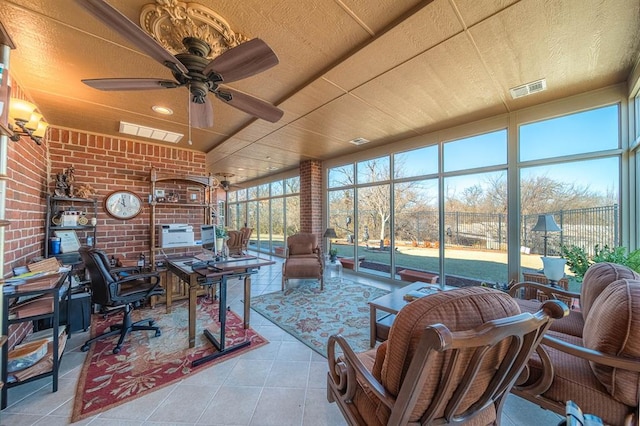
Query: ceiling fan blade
point(109, 84)
point(132, 32)
point(244, 60)
point(201, 114)
point(251, 105)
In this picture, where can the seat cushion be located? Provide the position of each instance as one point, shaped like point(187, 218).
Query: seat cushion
point(613, 328)
point(302, 268)
point(573, 379)
point(597, 278)
point(572, 324)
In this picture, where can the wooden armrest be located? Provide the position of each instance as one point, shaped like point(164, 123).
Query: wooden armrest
point(551, 292)
point(354, 367)
point(591, 355)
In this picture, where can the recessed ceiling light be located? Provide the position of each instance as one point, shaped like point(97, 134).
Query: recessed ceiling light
point(162, 110)
point(272, 168)
point(240, 169)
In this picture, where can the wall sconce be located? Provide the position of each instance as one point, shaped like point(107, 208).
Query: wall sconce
point(25, 121)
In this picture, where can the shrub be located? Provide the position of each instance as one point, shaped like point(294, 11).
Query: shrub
point(579, 261)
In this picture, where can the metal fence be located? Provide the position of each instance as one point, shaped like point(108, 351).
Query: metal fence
point(582, 227)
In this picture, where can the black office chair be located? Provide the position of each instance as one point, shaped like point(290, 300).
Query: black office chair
point(111, 290)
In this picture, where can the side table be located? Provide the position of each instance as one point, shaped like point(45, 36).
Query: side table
point(333, 270)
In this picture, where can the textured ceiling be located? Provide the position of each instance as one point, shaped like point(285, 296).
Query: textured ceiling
point(384, 70)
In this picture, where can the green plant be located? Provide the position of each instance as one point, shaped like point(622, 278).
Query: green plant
point(333, 252)
point(221, 232)
point(579, 261)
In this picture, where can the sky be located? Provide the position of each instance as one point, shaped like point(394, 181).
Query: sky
point(584, 132)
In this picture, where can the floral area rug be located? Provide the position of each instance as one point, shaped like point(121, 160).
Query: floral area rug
point(311, 315)
point(147, 363)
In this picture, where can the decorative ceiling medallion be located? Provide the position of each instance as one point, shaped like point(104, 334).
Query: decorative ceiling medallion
point(170, 21)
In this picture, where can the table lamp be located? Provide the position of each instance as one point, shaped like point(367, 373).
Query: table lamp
point(330, 233)
point(546, 223)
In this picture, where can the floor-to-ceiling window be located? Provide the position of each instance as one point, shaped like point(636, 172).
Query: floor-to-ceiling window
point(570, 168)
point(459, 202)
point(475, 209)
point(415, 210)
point(271, 209)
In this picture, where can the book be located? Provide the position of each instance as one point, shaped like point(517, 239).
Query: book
point(32, 307)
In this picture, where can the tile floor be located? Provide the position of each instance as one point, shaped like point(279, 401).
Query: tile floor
point(282, 383)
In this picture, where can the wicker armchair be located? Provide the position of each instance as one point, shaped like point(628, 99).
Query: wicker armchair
point(246, 237)
point(451, 358)
point(234, 243)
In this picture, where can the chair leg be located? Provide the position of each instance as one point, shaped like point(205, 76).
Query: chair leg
point(123, 329)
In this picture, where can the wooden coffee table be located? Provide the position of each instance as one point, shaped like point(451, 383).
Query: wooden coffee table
point(391, 304)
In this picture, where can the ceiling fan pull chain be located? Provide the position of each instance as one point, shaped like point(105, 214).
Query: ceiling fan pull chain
point(190, 142)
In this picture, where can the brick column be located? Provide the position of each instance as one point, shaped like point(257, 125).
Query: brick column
point(311, 197)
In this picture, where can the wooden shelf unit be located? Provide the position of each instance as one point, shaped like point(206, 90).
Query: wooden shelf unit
point(54, 206)
point(199, 213)
point(58, 293)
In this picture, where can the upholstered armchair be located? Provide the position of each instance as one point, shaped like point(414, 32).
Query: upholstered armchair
point(592, 356)
point(303, 259)
point(451, 357)
point(234, 243)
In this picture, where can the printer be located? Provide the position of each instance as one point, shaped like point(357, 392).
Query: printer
point(175, 235)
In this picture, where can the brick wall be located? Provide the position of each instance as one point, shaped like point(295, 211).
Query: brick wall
point(109, 164)
point(24, 207)
point(311, 197)
point(104, 163)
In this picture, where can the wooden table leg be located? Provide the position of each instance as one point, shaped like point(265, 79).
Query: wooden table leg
point(168, 290)
point(193, 304)
point(372, 325)
point(247, 300)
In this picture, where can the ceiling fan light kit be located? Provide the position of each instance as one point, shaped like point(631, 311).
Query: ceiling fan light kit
point(191, 67)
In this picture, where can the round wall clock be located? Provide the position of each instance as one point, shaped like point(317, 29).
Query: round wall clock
point(123, 204)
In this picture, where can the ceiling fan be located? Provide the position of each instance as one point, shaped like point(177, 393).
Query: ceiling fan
point(192, 69)
point(225, 183)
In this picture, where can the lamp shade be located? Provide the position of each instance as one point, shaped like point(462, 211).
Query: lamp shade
point(20, 110)
point(546, 223)
point(330, 233)
point(41, 129)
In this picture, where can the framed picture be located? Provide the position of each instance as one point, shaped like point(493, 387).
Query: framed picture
point(68, 241)
point(194, 195)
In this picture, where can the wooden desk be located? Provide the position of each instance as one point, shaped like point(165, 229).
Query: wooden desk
point(216, 272)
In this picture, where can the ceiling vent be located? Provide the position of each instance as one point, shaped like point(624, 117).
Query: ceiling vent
point(528, 89)
point(149, 132)
point(359, 141)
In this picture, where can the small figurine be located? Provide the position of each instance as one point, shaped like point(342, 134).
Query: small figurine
point(61, 185)
point(85, 191)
